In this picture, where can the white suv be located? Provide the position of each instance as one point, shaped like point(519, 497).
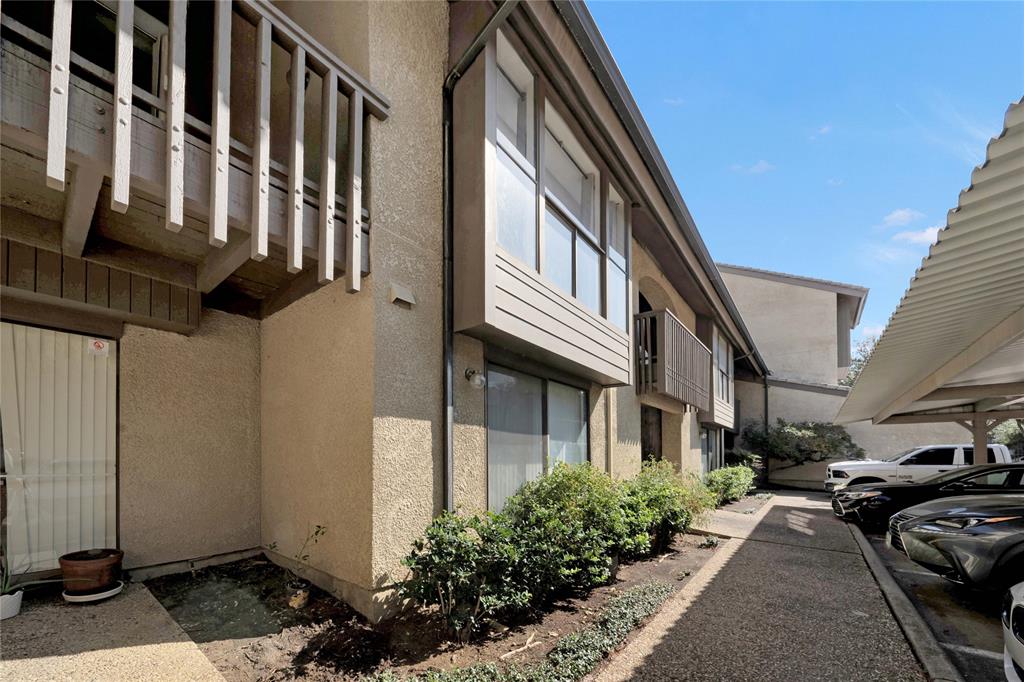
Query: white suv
point(910, 466)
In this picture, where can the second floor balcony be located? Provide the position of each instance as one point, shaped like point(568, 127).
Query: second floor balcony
point(670, 361)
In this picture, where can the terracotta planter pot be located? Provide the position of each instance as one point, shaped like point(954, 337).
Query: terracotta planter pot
point(91, 570)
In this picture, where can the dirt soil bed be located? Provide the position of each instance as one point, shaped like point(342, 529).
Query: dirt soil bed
point(239, 616)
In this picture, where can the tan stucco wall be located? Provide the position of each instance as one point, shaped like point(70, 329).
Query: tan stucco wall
point(189, 440)
point(469, 436)
point(317, 418)
point(649, 280)
point(408, 51)
point(794, 327)
point(806, 405)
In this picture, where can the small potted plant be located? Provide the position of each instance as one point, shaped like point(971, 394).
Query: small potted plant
point(300, 587)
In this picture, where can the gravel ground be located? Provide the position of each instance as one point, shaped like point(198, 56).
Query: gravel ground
point(793, 601)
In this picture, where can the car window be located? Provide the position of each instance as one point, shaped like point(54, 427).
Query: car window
point(993, 479)
point(969, 455)
point(932, 456)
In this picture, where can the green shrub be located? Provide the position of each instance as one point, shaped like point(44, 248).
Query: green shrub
point(739, 457)
point(730, 483)
point(657, 504)
point(567, 525)
point(802, 442)
point(468, 568)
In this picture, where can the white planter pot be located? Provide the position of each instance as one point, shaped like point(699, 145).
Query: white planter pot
point(10, 605)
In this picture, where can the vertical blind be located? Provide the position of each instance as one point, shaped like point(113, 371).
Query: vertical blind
point(58, 419)
point(523, 439)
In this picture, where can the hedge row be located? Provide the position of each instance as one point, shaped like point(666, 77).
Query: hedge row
point(560, 534)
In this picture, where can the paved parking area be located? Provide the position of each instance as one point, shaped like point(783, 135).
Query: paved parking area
point(965, 622)
point(788, 598)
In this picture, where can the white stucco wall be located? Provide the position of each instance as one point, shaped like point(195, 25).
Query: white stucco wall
point(794, 327)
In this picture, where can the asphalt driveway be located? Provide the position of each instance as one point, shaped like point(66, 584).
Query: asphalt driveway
point(791, 599)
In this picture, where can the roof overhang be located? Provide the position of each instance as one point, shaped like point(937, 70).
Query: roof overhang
point(953, 350)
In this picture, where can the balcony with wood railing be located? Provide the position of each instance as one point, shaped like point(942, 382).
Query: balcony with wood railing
point(671, 361)
point(127, 134)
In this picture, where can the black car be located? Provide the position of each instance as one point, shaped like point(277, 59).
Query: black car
point(871, 504)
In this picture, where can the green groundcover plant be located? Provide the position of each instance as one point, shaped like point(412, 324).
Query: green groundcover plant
point(560, 534)
point(730, 483)
point(574, 656)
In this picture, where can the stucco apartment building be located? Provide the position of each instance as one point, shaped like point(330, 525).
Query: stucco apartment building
point(802, 326)
point(238, 304)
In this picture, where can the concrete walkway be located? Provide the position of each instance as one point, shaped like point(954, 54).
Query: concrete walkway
point(788, 597)
point(129, 637)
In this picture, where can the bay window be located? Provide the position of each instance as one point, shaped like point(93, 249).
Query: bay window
point(532, 424)
point(549, 192)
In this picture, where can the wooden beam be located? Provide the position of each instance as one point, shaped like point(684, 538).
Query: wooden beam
point(296, 158)
point(261, 144)
point(174, 105)
point(221, 263)
point(60, 56)
point(79, 208)
point(987, 344)
point(354, 195)
point(1011, 388)
point(328, 175)
point(954, 417)
point(121, 168)
point(220, 128)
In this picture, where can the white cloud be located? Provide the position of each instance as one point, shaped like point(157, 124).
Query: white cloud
point(885, 253)
point(758, 168)
point(822, 131)
point(834, 182)
point(674, 101)
point(926, 236)
point(901, 217)
point(866, 330)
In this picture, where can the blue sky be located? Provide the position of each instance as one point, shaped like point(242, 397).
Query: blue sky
point(821, 139)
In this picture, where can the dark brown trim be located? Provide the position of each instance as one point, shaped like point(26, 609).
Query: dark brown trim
point(58, 317)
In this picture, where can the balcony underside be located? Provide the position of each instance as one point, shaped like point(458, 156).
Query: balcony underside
point(137, 241)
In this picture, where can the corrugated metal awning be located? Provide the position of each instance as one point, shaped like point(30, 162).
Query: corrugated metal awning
point(955, 344)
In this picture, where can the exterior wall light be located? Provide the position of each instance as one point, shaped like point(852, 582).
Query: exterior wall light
point(476, 378)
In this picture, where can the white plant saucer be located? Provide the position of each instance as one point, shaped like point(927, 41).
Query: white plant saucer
point(86, 598)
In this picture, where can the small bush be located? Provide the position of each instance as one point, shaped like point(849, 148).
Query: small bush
point(738, 457)
point(467, 567)
point(730, 483)
point(658, 503)
point(568, 524)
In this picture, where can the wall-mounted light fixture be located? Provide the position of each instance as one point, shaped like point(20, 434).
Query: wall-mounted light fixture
point(476, 378)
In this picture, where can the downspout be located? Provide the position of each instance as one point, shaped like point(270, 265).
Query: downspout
point(485, 34)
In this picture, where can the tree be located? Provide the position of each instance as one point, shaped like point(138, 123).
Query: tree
point(801, 442)
point(861, 355)
point(1011, 434)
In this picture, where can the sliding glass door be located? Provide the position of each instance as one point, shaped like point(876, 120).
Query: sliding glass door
point(532, 424)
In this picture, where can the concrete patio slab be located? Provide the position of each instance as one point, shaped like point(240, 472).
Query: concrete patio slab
point(129, 637)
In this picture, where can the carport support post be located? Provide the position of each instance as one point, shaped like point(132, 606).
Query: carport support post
point(980, 428)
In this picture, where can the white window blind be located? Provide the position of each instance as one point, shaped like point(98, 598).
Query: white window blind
point(58, 415)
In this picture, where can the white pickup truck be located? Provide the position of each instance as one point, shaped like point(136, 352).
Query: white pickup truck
point(909, 466)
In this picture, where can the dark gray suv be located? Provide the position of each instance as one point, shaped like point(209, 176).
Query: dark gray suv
point(977, 541)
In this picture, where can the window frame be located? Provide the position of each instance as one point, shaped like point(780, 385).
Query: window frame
point(544, 96)
point(546, 376)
